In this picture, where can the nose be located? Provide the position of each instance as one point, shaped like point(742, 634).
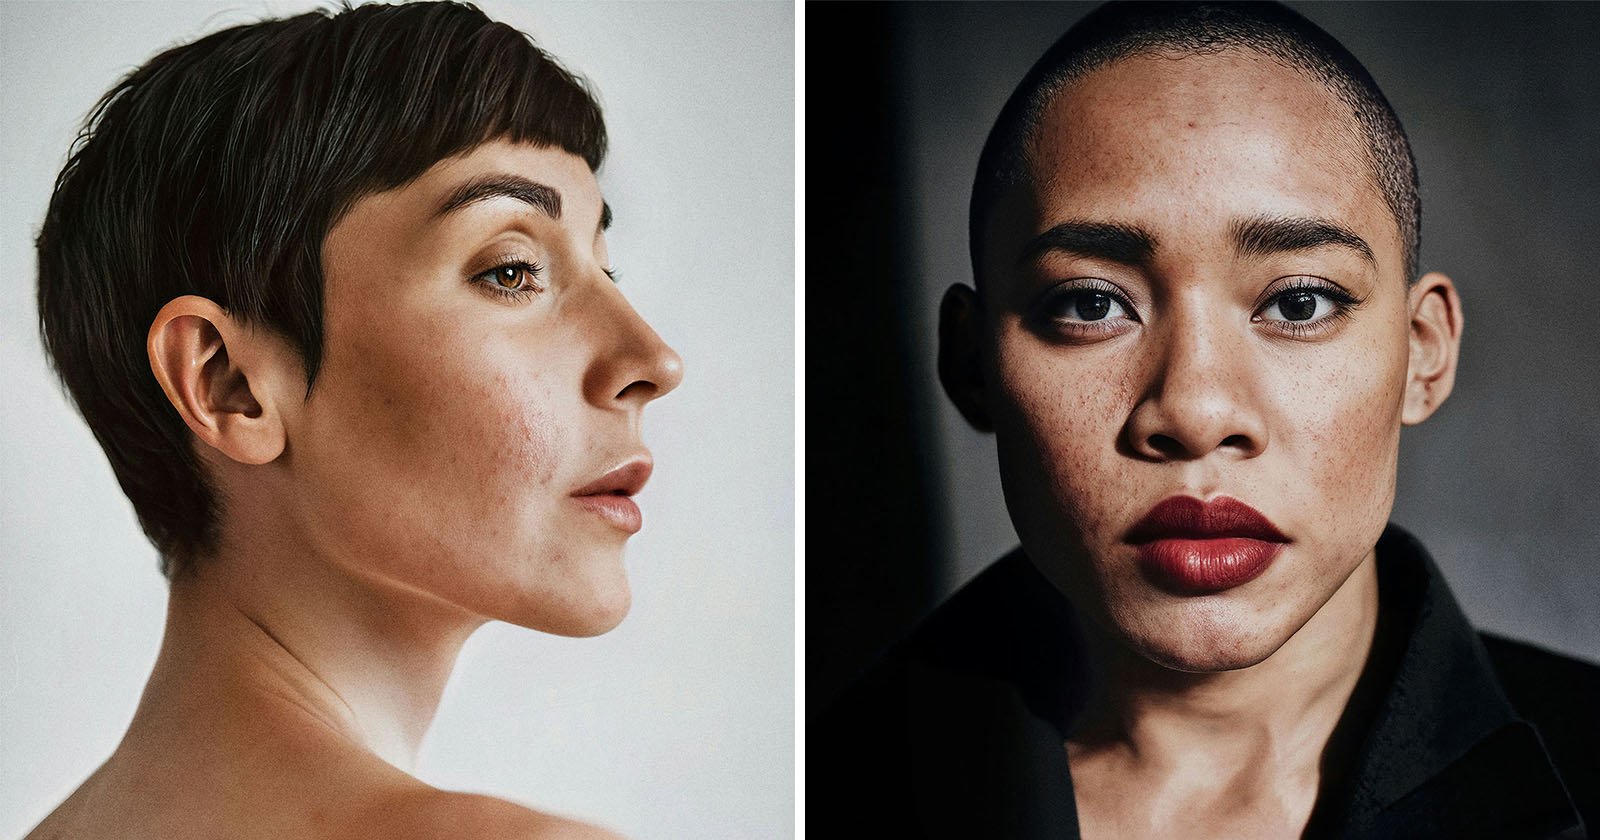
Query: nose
point(1201, 397)
point(633, 365)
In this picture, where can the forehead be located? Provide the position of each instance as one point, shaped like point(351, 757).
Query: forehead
point(575, 186)
point(419, 204)
point(1176, 142)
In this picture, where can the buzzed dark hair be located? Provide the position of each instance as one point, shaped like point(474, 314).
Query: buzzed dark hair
point(218, 168)
point(1124, 29)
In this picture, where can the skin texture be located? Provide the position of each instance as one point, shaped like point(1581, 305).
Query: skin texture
point(1215, 711)
point(425, 486)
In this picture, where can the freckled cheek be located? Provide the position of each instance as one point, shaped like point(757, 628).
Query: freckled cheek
point(499, 437)
point(1058, 437)
point(438, 418)
point(1350, 438)
point(528, 435)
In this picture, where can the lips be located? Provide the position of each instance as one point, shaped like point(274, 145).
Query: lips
point(609, 495)
point(1192, 547)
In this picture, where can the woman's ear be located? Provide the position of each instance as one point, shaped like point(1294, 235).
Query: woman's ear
point(1435, 346)
point(961, 354)
point(225, 378)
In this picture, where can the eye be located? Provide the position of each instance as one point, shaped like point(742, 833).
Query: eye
point(1307, 305)
point(1298, 305)
point(517, 279)
point(1088, 303)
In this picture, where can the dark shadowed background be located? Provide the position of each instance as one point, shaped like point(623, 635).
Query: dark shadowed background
point(1502, 105)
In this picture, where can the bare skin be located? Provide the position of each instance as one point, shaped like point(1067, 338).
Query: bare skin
point(1231, 754)
point(482, 374)
point(236, 736)
point(1195, 370)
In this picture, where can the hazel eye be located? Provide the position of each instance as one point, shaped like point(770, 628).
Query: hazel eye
point(512, 278)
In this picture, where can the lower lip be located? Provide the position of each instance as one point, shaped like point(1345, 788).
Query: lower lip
point(620, 511)
point(1200, 567)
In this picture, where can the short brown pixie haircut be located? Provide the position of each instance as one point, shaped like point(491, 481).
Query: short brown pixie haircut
point(218, 168)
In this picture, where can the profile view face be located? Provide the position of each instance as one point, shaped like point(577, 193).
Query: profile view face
point(1194, 316)
point(477, 416)
point(390, 366)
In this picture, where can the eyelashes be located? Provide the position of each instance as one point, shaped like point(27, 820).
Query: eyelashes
point(1308, 306)
point(1086, 308)
point(515, 280)
point(1091, 308)
point(519, 280)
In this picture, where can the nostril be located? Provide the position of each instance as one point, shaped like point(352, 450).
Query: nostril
point(1168, 446)
point(1236, 441)
point(642, 389)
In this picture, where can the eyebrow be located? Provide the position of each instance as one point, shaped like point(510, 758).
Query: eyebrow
point(1255, 236)
point(545, 199)
point(1121, 243)
point(542, 197)
point(1264, 235)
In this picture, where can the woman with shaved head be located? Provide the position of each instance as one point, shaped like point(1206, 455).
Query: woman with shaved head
point(1196, 330)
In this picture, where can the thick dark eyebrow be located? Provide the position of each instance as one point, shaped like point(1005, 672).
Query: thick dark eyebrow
point(1264, 235)
point(605, 216)
point(545, 199)
point(1126, 244)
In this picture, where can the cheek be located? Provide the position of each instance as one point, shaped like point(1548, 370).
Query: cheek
point(1341, 432)
point(1056, 426)
point(445, 424)
point(524, 428)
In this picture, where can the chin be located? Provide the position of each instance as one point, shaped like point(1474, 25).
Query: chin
point(579, 609)
point(602, 615)
point(1203, 640)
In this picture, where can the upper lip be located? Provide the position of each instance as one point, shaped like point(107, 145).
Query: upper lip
point(1185, 517)
point(624, 480)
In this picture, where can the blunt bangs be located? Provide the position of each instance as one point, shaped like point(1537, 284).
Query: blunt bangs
point(218, 168)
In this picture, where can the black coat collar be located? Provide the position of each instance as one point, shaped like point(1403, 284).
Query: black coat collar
point(1445, 749)
point(976, 701)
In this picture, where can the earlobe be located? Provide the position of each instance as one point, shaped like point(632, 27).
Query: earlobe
point(218, 374)
point(961, 355)
point(1435, 346)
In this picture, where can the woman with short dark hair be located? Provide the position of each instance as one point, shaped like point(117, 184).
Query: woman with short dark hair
point(333, 293)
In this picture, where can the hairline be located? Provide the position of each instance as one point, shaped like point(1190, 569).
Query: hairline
point(1293, 41)
point(1021, 158)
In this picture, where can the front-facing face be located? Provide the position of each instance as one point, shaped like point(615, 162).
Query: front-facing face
point(1200, 296)
point(474, 431)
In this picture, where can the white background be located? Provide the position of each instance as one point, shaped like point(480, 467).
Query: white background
point(680, 723)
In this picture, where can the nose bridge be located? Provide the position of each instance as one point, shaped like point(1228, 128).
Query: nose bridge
point(1201, 394)
point(1198, 365)
point(631, 364)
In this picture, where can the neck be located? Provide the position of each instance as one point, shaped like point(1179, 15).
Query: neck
point(1272, 720)
point(255, 635)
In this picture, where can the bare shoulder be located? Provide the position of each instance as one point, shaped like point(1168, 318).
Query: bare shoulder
point(433, 814)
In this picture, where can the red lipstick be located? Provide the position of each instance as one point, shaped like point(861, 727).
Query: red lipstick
point(609, 495)
point(1197, 548)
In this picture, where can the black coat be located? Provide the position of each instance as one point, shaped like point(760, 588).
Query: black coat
point(958, 731)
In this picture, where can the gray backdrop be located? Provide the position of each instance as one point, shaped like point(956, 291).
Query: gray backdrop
point(1502, 104)
point(679, 723)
